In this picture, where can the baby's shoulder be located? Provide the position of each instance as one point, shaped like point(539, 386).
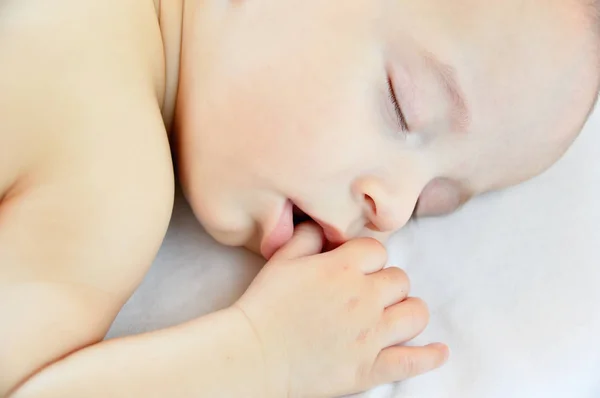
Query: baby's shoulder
point(102, 25)
point(85, 171)
point(69, 65)
point(84, 158)
point(46, 45)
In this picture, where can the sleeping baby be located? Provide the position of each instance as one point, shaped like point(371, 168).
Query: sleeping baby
point(305, 130)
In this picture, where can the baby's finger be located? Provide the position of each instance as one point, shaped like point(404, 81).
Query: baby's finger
point(367, 254)
point(401, 363)
point(392, 284)
point(403, 322)
point(307, 240)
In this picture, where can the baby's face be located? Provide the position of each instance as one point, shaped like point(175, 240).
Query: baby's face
point(358, 111)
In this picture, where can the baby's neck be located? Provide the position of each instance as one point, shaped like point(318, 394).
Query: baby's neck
point(170, 17)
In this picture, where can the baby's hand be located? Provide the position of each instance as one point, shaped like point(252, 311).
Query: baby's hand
point(330, 324)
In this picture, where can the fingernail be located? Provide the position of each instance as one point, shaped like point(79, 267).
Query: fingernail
point(444, 348)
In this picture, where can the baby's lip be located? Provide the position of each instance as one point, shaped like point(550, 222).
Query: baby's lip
point(280, 234)
point(283, 231)
point(332, 234)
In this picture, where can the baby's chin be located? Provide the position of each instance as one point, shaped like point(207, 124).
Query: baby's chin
point(254, 245)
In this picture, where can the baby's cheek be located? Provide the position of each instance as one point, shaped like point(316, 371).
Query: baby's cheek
point(441, 196)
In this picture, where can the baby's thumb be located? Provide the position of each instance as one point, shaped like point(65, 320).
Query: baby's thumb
point(307, 241)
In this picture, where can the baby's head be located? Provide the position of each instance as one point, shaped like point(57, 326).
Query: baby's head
point(360, 111)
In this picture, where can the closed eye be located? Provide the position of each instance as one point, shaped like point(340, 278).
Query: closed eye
point(399, 114)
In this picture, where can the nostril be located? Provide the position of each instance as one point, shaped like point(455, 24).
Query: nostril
point(372, 207)
point(371, 203)
point(372, 227)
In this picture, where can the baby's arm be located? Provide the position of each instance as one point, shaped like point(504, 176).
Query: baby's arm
point(215, 356)
point(86, 181)
point(68, 262)
point(310, 325)
point(79, 227)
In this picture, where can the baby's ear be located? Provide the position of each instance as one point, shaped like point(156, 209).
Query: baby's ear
point(441, 196)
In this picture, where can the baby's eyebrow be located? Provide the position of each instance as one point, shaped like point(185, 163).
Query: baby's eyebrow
point(446, 75)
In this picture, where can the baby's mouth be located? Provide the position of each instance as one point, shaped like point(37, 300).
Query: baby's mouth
point(300, 216)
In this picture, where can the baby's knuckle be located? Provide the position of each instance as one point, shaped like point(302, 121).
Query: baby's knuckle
point(367, 244)
point(407, 366)
point(374, 245)
point(364, 336)
point(363, 377)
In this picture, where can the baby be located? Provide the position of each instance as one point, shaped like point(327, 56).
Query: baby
point(353, 115)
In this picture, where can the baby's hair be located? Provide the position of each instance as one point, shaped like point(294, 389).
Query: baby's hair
point(594, 8)
point(592, 13)
point(596, 16)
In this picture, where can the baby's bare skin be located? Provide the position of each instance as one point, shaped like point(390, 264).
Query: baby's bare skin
point(86, 184)
point(86, 178)
point(86, 181)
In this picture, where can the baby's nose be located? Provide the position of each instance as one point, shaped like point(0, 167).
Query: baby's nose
point(389, 217)
point(386, 211)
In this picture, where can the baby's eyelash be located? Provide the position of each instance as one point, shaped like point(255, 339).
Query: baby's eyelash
point(399, 114)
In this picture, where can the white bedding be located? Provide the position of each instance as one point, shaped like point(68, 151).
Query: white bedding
point(512, 280)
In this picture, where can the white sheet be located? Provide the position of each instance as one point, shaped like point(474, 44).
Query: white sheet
point(512, 280)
